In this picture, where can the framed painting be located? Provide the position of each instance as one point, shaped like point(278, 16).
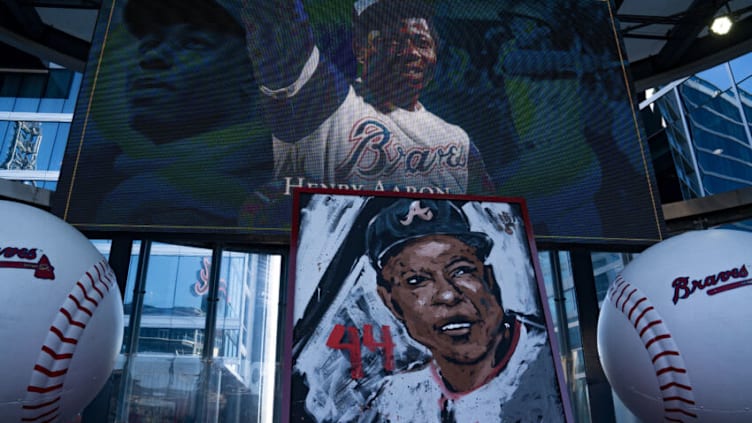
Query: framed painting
point(418, 307)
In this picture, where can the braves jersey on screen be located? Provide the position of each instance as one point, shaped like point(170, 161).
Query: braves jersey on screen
point(361, 146)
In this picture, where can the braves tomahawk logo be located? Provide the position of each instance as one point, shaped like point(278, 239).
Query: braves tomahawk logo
point(423, 213)
point(26, 258)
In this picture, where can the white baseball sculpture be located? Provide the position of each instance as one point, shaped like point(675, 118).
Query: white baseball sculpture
point(675, 330)
point(61, 317)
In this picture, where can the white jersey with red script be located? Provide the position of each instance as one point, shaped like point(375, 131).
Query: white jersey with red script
point(361, 147)
point(524, 391)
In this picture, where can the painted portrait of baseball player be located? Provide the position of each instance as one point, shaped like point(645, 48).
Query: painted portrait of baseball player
point(372, 133)
point(419, 308)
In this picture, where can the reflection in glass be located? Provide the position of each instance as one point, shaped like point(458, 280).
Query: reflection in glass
point(741, 68)
point(245, 337)
point(172, 373)
point(717, 76)
point(556, 270)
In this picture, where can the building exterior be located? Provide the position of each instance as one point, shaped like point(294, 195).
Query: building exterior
point(706, 121)
point(36, 110)
point(193, 350)
point(169, 369)
point(203, 343)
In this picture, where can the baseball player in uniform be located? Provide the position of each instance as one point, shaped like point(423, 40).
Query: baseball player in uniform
point(488, 364)
point(191, 150)
point(373, 134)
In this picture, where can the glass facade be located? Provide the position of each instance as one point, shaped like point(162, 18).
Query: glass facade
point(556, 268)
point(707, 122)
point(200, 345)
point(202, 341)
point(36, 110)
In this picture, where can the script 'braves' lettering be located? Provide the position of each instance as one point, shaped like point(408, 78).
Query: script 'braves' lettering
point(22, 253)
point(376, 153)
point(684, 287)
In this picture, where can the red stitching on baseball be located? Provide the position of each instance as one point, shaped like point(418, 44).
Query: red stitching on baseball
point(674, 420)
point(637, 321)
point(664, 353)
point(55, 355)
point(101, 282)
point(621, 294)
point(615, 287)
point(50, 373)
point(38, 406)
point(83, 290)
point(679, 399)
point(670, 369)
point(105, 277)
point(41, 416)
point(649, 325)
point(94, 285)
point(675, 385)
point(656, 339)
point(635, 307)
point(62, 337)
point(682, 411)
point(627, 300)
point(67, 331)
point(78, 305)
point(67, 314)
point(43, 390)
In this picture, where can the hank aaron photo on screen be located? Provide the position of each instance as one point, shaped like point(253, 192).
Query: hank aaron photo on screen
point(419, 308)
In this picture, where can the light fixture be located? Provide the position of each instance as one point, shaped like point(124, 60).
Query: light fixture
point(722, 24)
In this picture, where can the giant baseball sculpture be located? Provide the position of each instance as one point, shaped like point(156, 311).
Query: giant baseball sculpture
point(674, 333)
point(61, 317)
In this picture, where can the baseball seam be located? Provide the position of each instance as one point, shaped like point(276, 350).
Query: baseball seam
point(45, 390)
point(670, 370)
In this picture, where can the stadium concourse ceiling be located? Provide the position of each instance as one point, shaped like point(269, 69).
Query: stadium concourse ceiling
point(663, 39)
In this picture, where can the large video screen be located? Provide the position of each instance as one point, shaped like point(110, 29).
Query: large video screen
point(204, 116)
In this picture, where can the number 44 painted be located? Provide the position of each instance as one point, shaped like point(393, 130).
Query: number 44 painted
point(353, 345)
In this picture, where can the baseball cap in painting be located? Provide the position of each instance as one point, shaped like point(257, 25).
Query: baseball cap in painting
point(143, 16)
point(409, 219)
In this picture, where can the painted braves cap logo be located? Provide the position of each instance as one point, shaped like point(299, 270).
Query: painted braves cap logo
point(410, 219)
point(423, 213)
point(25, 257)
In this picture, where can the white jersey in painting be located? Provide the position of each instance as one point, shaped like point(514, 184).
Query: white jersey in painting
point(361, 147)
point(526, 390)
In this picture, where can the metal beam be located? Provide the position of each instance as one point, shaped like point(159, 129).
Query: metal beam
point(685, 32)
point(18, 191)
point(56, 46)
point(702, 53)
point(69, 4)
point(710, 211)
point(22, 28)
point(649, 19)
point(26, 16)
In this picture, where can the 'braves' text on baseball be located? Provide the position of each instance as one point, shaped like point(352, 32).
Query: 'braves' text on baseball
point(683, 288)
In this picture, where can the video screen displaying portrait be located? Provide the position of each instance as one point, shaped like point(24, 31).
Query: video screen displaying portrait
point(418, 308)
point(205, 115)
